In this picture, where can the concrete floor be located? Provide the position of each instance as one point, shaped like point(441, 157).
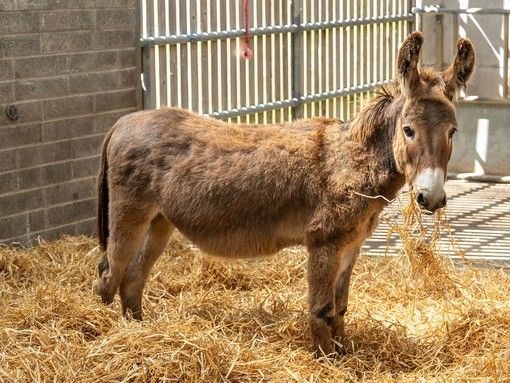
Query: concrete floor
point(479, 215)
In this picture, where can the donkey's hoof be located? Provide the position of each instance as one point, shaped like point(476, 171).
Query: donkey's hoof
point(98, 289)
point(340, 348)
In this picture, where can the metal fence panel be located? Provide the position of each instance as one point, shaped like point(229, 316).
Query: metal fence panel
point(310, 57)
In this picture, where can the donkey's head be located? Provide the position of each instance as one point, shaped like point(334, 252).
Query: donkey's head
point(427, 122)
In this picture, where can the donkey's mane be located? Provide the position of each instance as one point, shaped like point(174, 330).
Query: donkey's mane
point(374, 115)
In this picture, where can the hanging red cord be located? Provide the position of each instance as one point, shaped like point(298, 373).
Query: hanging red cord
point(247, 52)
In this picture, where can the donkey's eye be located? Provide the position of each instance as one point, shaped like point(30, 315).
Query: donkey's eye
point(452, 132)
point(408, 132)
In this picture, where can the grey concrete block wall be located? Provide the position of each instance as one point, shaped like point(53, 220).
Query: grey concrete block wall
point(70, 69)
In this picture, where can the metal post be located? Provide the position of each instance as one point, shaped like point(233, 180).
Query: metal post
point(439, 41)
point(418, 17)
point(296, 59)
point(146, 77)
point(505, 56)
point(455, 35)
point(138, 55)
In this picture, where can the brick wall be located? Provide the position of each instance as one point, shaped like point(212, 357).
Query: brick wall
point(69, 67)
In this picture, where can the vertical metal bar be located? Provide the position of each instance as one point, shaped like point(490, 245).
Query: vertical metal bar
point(505, 55)
point(265, 63)
point(326, 81)
point(289, 74)
point(146, 77)
point(189, 59)
point(167, 55)
point(145, 60)
point(237, 55)
point(178, 55)
point(296, 59)
point(455, 34)
point(281, 62)
point(348, 53)
point(439, 41)
point(312, 57)
point(157, 80)
point(209, 81)
point(256, 60)
point(219, 90)
point(418, 21)
point(138, 56)
point(334, 59)
point(305, 58)
point(228, 59)
point(272, 68)
point(199, 72)
point(320, 63)
point(247, 66)
point(342, 65)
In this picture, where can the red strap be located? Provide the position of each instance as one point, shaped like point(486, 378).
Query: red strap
point(247, 52)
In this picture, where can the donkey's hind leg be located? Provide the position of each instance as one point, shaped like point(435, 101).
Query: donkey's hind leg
point(136, 276)
point(126, 234)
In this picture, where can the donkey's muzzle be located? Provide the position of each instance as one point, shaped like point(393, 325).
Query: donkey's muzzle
point(430, 201)
point(429, 187)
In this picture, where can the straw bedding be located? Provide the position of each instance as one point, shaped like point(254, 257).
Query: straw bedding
point(210, 321)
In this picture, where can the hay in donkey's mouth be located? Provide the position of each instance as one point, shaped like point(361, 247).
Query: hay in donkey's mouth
point(427, 244)
point(243, 322)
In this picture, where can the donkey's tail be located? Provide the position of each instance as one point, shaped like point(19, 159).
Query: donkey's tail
point(103, 231)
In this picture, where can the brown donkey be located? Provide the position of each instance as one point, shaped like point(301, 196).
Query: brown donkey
point(244, 191)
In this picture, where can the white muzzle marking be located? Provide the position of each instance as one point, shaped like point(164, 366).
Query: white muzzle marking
point(429, 188)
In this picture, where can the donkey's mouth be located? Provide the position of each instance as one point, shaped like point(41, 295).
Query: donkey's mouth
point(426, 212)
point(430, 202)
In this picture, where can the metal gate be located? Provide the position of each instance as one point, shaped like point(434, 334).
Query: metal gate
point(310, 57)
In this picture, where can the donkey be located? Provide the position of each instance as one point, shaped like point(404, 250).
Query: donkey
point(245, 191)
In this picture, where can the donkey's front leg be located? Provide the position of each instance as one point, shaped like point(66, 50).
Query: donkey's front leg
point(342, 296)
point(323, 266)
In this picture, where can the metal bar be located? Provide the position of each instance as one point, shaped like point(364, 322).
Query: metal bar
point(418, 22)
point(455, 33)
point(505, 55)
point(146, 77)
point(439, 41)
point(270, 30)
point(296, 101)
point(297, 108)
point(481, 11)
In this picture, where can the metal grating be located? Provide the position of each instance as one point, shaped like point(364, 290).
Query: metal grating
point(311, 57)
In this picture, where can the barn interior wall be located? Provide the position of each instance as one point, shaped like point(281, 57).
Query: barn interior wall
point(481, 146)
point(68, 70)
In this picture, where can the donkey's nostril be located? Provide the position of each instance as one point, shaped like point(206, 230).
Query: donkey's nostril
point(420, 199)
point(443, 202)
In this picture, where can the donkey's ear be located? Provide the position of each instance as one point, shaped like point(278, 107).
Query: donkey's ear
point(458, 74)
point(407, 63)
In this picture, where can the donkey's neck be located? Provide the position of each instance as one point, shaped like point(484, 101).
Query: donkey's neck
point(385, 179)
point(374, 131)
point(370, 162)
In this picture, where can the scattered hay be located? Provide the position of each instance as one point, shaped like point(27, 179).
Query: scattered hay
point(244, 321)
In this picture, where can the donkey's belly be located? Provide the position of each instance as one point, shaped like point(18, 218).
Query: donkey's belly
point(244, 241)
